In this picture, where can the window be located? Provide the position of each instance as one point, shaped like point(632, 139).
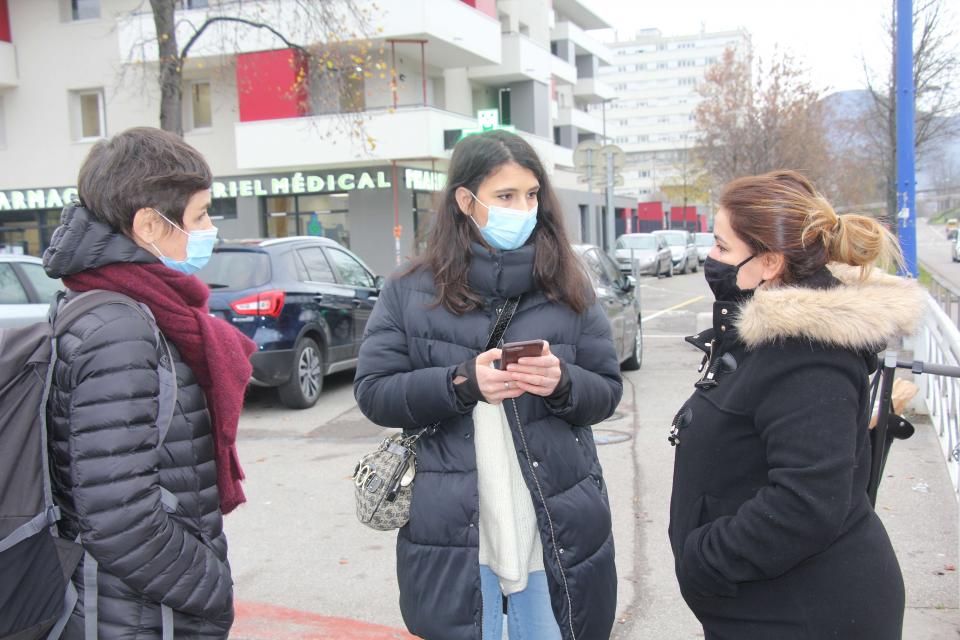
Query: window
point(201, 116)
point(687, 81)
point(318, 269)
point(223, 209)
point(11, 291)
point(687, 63)
point(88, 116)
point(661, 65)
point(81, 10)
point(351, 272)
point(43, 285)
point(234, 270)
point(193, 4)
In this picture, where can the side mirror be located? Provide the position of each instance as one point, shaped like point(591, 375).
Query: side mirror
point(378, 282)
point(630, 283)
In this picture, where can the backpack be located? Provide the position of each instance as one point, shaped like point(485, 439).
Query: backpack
point(37, 595)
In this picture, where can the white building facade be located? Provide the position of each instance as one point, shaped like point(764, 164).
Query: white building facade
point(75, 71)
point(656, 78)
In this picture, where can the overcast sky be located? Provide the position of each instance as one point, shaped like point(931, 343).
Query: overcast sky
point(830, 36)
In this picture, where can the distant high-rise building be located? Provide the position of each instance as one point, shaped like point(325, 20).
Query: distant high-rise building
point(656, 78)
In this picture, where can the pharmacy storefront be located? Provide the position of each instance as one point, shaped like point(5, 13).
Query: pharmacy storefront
point(363, 209)
point(29, 216)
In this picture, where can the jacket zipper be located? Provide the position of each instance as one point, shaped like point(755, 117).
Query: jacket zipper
point(553, 535)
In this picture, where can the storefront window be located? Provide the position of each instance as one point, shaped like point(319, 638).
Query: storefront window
point(425, 205)
point(27, 232)
point(324, 216)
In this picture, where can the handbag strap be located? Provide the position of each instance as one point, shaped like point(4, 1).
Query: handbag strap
point(504, 316)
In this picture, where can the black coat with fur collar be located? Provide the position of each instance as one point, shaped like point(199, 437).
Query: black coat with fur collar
point(770, 524)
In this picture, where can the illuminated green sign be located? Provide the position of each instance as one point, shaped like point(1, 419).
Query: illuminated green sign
point(489, 120)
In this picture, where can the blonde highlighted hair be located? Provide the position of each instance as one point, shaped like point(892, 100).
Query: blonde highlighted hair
point(782, 212)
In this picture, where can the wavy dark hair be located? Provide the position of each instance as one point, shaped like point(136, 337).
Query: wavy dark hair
point(556, 269)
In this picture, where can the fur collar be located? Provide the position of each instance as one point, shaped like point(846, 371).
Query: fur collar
point(856, 315)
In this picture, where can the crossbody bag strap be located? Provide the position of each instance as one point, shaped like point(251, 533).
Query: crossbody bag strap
point(504, 316)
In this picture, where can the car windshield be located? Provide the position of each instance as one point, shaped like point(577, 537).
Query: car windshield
point(704, 239)
point(636, 242)
point(675, 239)
point(236, 270)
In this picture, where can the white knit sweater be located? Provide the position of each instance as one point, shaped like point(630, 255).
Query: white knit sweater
point(509, 536)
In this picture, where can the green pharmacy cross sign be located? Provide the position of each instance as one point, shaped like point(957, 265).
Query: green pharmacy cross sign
point(489, 120)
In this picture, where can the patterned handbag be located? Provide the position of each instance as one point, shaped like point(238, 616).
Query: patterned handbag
point(383, 478)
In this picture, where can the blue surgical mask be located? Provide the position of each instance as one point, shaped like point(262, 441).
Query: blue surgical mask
point(507, 229)
point(199, 249)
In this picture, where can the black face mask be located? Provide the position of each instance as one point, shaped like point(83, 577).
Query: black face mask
point(722, 278)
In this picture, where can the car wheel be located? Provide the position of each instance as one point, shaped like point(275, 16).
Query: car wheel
point(635, 360)
point(303, 388)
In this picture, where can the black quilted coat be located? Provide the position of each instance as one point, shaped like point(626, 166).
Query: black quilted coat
point(404, 379)
point(108, 469)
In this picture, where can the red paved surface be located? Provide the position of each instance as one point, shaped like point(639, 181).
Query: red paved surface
point(268, 622)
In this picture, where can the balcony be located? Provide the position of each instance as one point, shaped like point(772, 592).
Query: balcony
point(458, 35)
point(582, 120)
point(8, 66)
point(593, 90)
point(583, 12)
point(409, 132)
point(584, 43)
point(523, 59)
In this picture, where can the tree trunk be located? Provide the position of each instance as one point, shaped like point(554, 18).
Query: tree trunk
point(171, 70)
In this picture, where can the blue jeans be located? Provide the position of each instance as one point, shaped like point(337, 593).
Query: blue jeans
point(529, 614)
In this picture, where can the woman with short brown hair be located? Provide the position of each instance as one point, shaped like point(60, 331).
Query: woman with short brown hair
point(771, 527)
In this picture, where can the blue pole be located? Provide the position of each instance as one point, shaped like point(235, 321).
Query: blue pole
point(906, 182)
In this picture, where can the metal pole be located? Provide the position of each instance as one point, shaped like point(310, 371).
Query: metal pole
point(393, 72)
point(423, 69)
point(396, 211)
point(610, 218)
point(906, 182)
point(591, 220)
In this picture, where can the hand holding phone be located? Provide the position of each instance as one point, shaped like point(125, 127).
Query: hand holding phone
point(513, 351)
point(540, 372)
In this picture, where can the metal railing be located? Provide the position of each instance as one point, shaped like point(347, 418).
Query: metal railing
point(939, 344)
point(947, 297)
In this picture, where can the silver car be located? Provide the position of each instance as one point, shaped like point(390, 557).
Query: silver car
point(25, 290)
point(704, 242)
point(682, 249)
point(649, 254)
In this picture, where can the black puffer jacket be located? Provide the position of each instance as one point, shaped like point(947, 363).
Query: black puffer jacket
point(108, 469)
point(404, 379)
point(771, 527)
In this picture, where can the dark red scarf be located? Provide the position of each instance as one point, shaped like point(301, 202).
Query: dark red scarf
point(217, 353)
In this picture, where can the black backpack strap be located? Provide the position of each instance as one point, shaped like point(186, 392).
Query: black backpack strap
point(66, 309)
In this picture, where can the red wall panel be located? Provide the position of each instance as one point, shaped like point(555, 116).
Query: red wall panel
point(272, 85)
point(488, 7)
point(5, 34)
point(650, 211)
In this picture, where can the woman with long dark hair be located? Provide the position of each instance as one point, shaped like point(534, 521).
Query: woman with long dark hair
point(773, 533)
point(509, 499)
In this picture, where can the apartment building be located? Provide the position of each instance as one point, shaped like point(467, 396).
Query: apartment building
point(284, 160)
point(656, 78)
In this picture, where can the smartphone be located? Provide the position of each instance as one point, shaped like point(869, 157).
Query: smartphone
point(513, 351)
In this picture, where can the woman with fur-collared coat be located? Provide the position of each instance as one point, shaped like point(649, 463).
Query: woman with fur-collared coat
point(771, 527)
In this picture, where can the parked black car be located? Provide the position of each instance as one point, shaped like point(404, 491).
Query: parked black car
point(305, 302)
point(617, 293)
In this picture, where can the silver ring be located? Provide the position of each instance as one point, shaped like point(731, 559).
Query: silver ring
point(506, 384)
